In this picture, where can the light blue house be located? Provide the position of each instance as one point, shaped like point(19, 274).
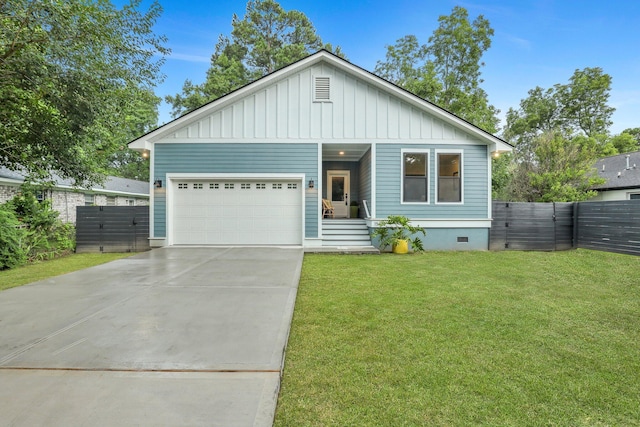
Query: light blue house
point(252, 167)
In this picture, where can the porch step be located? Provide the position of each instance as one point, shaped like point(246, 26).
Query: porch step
point(345, 232)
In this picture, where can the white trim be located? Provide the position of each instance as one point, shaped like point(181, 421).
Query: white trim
point(374, 180)
point(436, 159)
point(489, 185)
point(319, 187)
point(152, 194)
point(232, 176)
point(441, 223)
point(347, 174)
point(426, 151)
point(335, 141)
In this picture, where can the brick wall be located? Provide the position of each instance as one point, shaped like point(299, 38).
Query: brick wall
point(65, 202)
point(7, 192)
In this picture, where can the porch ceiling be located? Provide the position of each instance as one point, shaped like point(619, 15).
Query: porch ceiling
point(350, 152)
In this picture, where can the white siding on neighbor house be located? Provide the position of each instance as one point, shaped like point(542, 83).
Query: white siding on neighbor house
point(285, 110)
point(609, 195)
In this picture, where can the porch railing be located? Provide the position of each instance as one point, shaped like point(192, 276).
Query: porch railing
point(366, 209)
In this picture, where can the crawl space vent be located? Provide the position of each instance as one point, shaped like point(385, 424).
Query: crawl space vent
point(322, 89)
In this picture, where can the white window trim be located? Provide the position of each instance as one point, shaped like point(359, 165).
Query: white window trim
point(436, 174)
point(313, 88)
point(415, 150)
point(632, 193)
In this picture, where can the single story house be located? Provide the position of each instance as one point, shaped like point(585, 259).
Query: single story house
point(253, 167)
point(65, 196)
point(622, 173)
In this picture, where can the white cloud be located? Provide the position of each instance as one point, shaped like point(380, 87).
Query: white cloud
point(189, 58)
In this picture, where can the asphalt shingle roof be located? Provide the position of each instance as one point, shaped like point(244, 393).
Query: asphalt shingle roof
point(616, 173)
point(111, 183)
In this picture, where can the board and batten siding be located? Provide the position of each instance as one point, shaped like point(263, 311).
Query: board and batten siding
point(285, 110)
point(237, 159)
point(474, 175)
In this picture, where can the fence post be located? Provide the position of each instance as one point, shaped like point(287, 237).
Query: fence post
point(576, 211)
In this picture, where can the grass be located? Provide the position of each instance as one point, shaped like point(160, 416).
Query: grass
point(465, 338)
point(55, 267)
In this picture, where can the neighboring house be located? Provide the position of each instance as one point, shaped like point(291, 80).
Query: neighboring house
point(622, 173)
point(65, 197)
point(252, 167)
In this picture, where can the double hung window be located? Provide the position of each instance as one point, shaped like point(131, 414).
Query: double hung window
point(449, 177)
point(415, 176)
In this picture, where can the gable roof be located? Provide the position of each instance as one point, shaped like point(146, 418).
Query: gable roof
point(614, 170)
point(112, 184)
point(146, 141)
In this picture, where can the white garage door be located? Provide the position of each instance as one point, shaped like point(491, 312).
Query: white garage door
point(237, 212)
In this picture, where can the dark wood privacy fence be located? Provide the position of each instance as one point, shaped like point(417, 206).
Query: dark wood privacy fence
point(531, 226)
point(608, 226)
point(112, 228)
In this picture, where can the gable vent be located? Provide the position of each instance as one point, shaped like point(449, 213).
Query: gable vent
point(322, 89)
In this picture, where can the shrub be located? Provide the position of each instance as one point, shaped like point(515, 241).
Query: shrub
point(12, 235)
point(44, 236)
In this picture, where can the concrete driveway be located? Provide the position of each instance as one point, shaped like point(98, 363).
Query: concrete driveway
point(171, 337)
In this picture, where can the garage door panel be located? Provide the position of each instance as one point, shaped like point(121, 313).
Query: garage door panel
point(237, 212)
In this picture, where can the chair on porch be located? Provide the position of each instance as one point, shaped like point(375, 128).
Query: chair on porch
point(327, 209)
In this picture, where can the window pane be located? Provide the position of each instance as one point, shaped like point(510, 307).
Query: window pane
point(449, 178)
point(449, 164)
point(337, 188)
point(415, 189)
point(415, 164)
point(634, 196)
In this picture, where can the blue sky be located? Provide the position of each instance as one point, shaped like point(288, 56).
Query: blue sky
point(536, 43)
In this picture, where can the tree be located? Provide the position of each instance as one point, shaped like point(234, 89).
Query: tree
point(576, 108)
point(584, 102)
point(570, 121)
point(70, 74)
point(141, 118)
point(624, 142)
point(635, 133)
point(561, 170)
point(265, 40)
point(446, 71)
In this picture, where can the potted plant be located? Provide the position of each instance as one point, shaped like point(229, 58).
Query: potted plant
point(396, 231)
point(354, 207)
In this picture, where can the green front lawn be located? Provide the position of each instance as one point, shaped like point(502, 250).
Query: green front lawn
point(465, 339)
point(55, 267)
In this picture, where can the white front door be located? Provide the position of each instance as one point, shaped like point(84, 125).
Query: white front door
point(338, 192)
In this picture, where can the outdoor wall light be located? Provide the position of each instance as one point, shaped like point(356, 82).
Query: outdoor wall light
point(157, 183)
point(311, 183)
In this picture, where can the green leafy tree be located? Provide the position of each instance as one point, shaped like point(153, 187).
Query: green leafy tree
point(559, 170)
point(446, 71)
point(266, 39)
point(584, 102)
point(623, 143)
point(570, 121)
point(141, 118)
point(576, 108)
point(70, 73)
point(635, 134)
